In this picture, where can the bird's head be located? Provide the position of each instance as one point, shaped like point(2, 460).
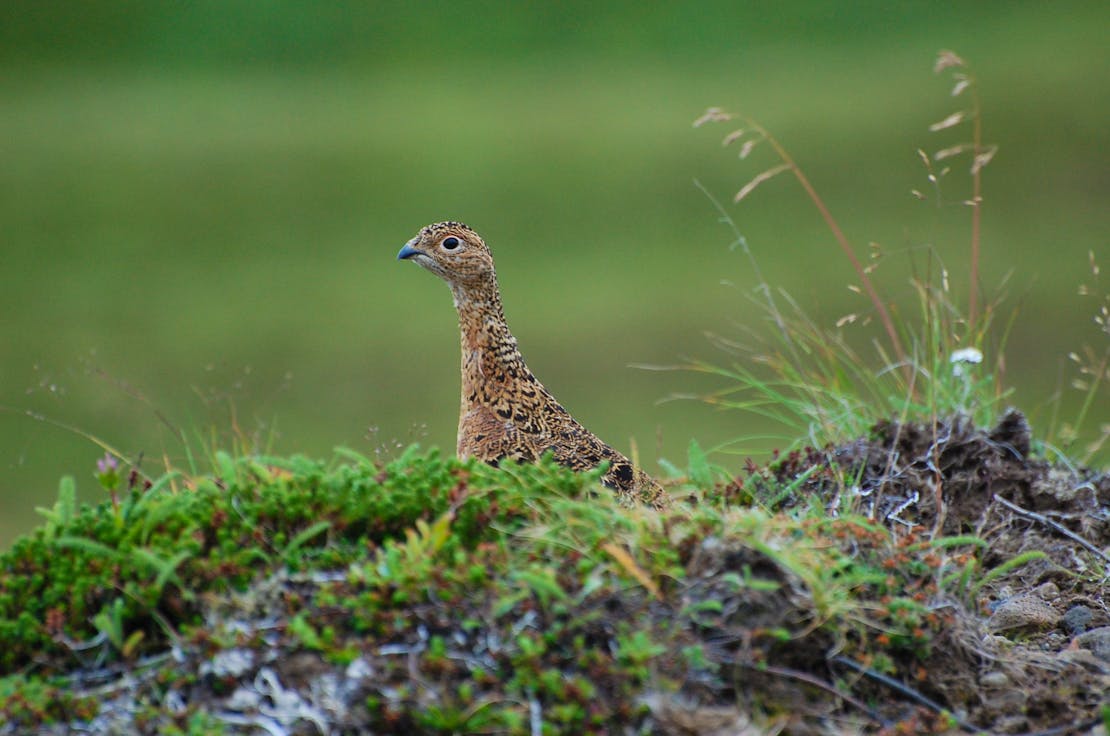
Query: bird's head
point(452, 251)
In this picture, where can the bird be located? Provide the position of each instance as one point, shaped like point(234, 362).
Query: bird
point(505, 412)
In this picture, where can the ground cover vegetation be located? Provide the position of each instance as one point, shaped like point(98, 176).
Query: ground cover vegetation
point(919, 560)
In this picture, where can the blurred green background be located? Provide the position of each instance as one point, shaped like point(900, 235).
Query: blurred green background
point(200, 206)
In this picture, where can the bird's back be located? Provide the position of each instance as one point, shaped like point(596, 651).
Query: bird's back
point(512, 415)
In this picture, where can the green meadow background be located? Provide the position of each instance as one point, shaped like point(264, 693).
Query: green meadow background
point(201, 204)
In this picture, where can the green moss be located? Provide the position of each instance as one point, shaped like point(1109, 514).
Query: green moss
point(162, 547)
point(31, 701)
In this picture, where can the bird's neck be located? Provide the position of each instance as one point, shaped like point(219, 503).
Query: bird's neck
point(489, 350)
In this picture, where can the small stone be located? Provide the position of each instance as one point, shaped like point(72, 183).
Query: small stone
point(1011, 724)
point(1047, 591)
point(1022, 613)
point(1060, 484)
point(1097, 640)
point(359, 669)
point(1076, 619)
point(243, 699)
point(228, 663)
point(994, 679)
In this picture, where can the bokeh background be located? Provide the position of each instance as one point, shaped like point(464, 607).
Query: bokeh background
point(200, 206)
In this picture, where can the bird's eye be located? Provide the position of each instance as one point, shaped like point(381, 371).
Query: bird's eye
point(450, 243)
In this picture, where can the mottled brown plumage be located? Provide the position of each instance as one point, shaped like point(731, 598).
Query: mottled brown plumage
point(506, 412)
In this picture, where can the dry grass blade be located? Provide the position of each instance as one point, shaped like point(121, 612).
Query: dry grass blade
point(788, 163)
point(981, 156)
point(712, 115)
point(829, 688)
point(951, 151)
point(1060, 528)
point(733, 136)
point(946, 60)
point(982, 159)
point(906, 690)
point(748, 146)
point(621, 556)
point(751, 185)
point(951, 121)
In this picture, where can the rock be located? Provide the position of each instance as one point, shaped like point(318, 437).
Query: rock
point(677, 718)
point(228, 663)
point(994, 679)
point(1076, 619)
point(1047, 591)
point(1023, 612)
point(1096, 640)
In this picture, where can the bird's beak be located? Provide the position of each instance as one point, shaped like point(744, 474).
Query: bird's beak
point(408, 251)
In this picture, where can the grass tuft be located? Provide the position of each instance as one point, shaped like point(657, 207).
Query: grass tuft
point(828, 383)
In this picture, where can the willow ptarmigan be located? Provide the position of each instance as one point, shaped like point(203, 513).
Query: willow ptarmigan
point(506, 412)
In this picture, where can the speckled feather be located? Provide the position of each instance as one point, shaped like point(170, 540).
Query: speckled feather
point(505, 411)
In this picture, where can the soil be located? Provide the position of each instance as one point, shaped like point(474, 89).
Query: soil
point(1036, 657)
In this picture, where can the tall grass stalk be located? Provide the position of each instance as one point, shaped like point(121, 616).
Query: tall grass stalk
point(789, 164)
point(966, 81)
point(927, 367)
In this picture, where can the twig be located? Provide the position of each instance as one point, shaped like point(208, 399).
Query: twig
point(841, 239)
point(535, 715)
point(811, 680)
point(67, 427)
point(85, 679)
point(906, 690)
point(977, 206)
point(1053, 525)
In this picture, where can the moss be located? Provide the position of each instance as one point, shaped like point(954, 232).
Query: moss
point(163, 548)
point(30, 701)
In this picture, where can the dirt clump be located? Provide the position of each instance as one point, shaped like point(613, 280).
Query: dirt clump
point(1029, 648)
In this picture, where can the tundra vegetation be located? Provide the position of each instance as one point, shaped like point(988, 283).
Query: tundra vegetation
point(919, 560)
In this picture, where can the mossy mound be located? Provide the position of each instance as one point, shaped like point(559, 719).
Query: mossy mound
point(430, 595)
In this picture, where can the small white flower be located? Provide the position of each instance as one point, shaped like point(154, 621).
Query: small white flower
point(958, 358)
